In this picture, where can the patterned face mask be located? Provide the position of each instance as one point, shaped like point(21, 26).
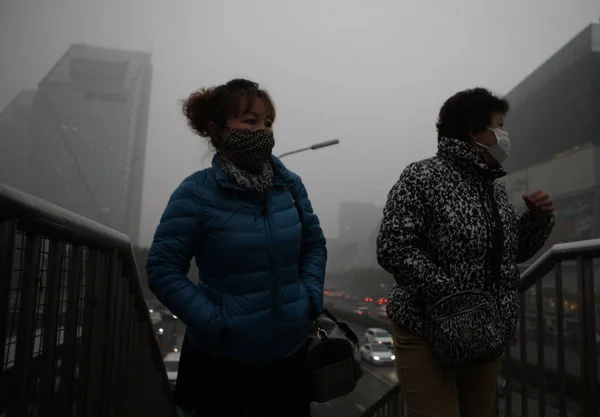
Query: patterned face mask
point(250, 149)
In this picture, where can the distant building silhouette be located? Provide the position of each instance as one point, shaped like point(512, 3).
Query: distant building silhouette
point(15, 140)
point(554, 124)
point(89, 135)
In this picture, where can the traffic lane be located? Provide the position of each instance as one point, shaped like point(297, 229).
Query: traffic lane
point(369, 389)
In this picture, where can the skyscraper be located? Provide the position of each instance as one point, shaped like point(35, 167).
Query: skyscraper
point(15, 140)
point(89, 135)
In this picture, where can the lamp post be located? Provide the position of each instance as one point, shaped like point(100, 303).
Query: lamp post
point(313, 147)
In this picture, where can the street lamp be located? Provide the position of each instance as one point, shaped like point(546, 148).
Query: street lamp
point(313, 147)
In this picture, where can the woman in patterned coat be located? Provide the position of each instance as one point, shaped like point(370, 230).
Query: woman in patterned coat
point(436, 239)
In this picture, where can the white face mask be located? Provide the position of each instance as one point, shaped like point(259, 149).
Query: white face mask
point(501, 149)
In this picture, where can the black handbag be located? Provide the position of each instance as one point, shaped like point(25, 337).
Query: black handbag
point(331, 361)
point(465, 328)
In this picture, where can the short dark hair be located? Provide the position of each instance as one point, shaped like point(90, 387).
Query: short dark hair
point(217, 104)
point(469, 111)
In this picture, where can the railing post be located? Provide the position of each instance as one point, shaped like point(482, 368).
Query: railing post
point(50, 323)
point(117, 341)
point(524, 365)
point(69, 366)
point(98, 342)
point(541, 363)
point(25, 330)
point(86, 329)
point(8, 229)
point(587, 313)
point(560, 347)
point(112, 300)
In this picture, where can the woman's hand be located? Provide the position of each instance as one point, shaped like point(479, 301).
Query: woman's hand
point(539, 205)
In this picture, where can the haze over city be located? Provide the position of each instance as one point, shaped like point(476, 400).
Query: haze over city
point(371, 74)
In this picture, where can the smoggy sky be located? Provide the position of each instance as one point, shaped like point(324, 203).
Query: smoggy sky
point(371, 73)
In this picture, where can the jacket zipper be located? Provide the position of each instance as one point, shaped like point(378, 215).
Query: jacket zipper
point(271, 270)
point(487, 215)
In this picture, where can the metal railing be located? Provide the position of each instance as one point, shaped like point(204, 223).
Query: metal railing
point(390, 405)
point(551, 368)
point(77, 336)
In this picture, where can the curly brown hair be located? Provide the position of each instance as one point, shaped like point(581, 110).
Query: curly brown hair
point(218, 104)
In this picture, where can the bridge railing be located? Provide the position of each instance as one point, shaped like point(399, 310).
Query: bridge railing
point(551, 368)
point(77, 336)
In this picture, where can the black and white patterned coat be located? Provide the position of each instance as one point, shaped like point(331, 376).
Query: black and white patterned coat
point(435, 237)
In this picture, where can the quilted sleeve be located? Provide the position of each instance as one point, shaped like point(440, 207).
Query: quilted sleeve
point(402, 246)
point(314, 251)
point(176, 237)
point(532, 235)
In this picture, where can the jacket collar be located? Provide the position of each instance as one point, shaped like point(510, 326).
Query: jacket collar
point(468, 158)
point(281, 175)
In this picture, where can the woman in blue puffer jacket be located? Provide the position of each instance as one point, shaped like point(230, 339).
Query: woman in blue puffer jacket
point(261, 257)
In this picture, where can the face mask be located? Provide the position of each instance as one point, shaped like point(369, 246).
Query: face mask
point(249, 149)
point(501, 149)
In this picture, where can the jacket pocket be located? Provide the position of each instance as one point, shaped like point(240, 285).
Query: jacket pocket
point(307, 300)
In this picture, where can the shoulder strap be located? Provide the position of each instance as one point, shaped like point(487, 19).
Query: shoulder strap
point(296, 203)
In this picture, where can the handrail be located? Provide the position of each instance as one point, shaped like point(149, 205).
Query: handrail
point(559, 252)
point(389, 405)
point(62, 270)
point(58, 222)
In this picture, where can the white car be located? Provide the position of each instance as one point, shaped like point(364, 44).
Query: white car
point(377, 354)
point(378, 336)
point(172, 366)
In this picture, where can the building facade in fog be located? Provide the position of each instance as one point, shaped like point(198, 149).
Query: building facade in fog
point(554, 124)
point(15, 140)
point(89, 135)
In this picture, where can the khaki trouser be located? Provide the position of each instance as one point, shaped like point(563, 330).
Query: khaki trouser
point(431, 390)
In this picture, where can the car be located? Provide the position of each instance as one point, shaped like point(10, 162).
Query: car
point(171, 361)
point(377, 354)
point(362, 311)
point(375, 335)
point(382, 311)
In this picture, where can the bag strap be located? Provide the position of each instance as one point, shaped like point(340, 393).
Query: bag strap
point(348, 332)
point(296, 204)
point(341, 325)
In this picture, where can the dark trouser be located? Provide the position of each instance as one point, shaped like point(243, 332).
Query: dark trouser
point(215, 386)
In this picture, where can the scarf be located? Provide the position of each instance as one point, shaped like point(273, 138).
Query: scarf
point(258, 183)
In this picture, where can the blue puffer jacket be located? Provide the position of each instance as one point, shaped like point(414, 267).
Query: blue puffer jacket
point(261, 268)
